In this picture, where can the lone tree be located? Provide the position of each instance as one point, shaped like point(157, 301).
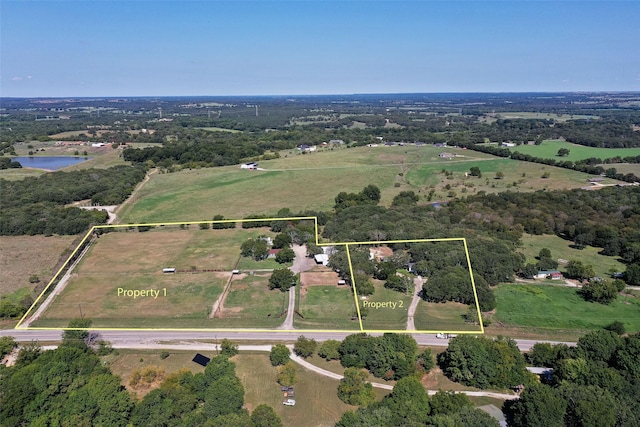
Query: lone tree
point(475, 171)
point(563, 152)
point(279, 354)
point(304, 347)
point(282, 278)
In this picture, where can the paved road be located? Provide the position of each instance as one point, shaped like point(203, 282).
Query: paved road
point(137, 339)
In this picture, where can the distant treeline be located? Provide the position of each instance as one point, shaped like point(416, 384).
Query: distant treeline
point(36, 205)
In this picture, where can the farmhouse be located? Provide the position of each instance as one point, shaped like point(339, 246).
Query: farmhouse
point(321, 259)
point(379, 253)
point(251, 165)
point(508, 144)
point(553, 274)
point(307, 148)
point(272, 253)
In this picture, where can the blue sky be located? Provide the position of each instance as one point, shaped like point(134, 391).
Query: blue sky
point(166, 48)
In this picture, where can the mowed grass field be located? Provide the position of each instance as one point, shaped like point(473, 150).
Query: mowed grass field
point(561, 249)
point(389, 318)
point(549, 150)
point(444, 317)
point(312, 181)
point(133, 261)
point(324, 304)
point(251, 304)
point(559, 307)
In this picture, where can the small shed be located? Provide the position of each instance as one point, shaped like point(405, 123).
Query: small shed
point(201, 359)
point(169, 270)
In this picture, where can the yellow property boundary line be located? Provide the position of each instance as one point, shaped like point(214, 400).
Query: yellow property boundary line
point(317, 242)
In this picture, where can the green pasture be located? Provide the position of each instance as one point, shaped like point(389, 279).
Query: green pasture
point(543, 116)
point(559, 307)
point(561, 249)
point(549, 150)
point(217, 129)
point(326, 307)
point(248, 263)
point(388, 319)
point(20, 174)
point(443, 317)
point(311, 181)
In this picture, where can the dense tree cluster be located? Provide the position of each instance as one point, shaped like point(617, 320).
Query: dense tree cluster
point(609, 218)
point(390, 356)
point(483, 362)
point(409, 405)
point(595, 383)
point(37, 205)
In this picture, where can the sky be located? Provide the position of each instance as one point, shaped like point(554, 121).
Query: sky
point(207, 48)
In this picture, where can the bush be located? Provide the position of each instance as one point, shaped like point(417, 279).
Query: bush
point(164, 354)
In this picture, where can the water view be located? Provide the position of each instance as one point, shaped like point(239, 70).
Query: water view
point(50, 162)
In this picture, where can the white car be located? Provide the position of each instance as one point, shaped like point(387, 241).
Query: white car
point(289, 402)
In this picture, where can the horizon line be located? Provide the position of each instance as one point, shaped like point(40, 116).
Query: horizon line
point(631, 91)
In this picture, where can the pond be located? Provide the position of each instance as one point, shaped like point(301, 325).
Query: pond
point(49, 162)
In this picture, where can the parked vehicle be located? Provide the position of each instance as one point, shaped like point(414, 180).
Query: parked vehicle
point(289, 402)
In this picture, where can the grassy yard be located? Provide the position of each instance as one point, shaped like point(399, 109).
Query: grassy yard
point(317, 403)
point(431, 316)
point(390, 318)
point(251, 304)
point(559, 307)
point(326, 307)
point(560, 249)
point(549, 150)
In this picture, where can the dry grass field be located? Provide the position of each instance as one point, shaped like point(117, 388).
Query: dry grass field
point(120, 282)
point(22, 256)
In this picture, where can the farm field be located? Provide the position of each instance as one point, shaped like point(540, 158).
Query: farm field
point(625, 168)
point(561, 249)
point(549, 149)
point(559, 307)
point(187, 276)
point(21, 173)
point(122, 262)
point(312, 181)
